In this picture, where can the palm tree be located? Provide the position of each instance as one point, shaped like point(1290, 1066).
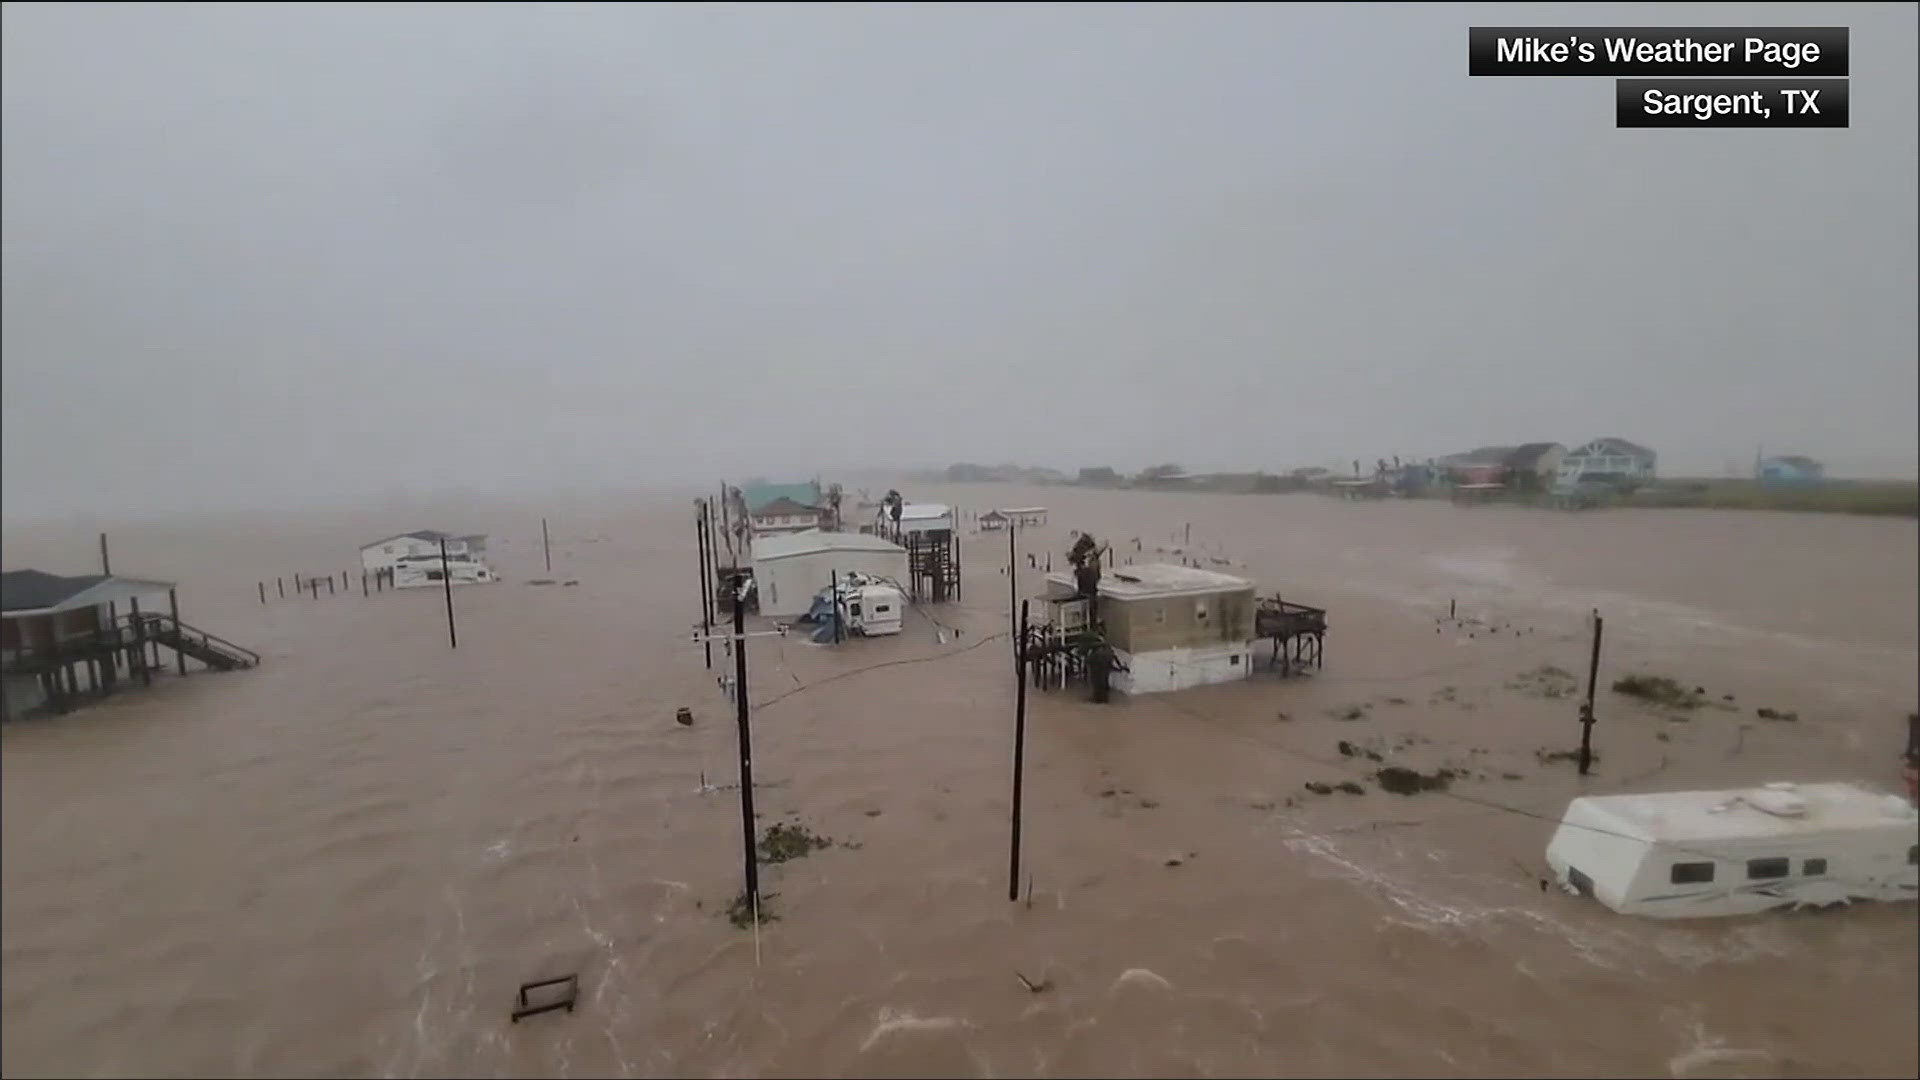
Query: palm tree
point(833, 507)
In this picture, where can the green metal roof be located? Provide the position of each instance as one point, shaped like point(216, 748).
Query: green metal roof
point(758, 496)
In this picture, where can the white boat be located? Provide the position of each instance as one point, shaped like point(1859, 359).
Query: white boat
point(426, 571)
point(1689, 854)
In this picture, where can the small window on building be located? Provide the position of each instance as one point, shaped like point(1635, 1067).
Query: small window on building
point(881, 609)
point(1761, 869)
point(1692, 873)
point(856, 609)
point(1200, 610)
point(435, 575)
point(1913, 855)
point(1234, 660)
point(1813, 868)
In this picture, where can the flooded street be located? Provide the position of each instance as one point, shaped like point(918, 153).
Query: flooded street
point(345, 861)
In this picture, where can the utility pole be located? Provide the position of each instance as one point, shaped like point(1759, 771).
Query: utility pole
point(706, 577)
point(106, 566)
point(446, 578)
point(739, 645)
point(746, 741)
point(1019, 750)
point(1586, 709)
point(1013, 594)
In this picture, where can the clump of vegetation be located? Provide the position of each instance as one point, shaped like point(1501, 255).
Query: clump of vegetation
point(1351, 788)
point(1766, 713)
point(1348, 749)
point(784, 842)
point(1658, 689)
point(740, 911)
point(1401, 780)
point(1546, 681)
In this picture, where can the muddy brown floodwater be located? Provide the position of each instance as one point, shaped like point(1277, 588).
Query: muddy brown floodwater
point(344, 861)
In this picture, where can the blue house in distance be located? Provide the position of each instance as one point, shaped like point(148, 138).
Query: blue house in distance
point(1789, 469)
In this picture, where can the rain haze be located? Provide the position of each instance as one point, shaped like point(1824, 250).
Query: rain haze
point(257, 257)
point(526, 505)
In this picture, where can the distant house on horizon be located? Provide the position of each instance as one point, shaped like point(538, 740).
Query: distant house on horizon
point(1609, 459)
point(1533, 466)
point(1790, 469)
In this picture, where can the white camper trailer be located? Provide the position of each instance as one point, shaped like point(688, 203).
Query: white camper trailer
point(1688, 854)
point(871, 608)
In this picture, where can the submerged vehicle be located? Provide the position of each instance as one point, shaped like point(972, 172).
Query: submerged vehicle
point(862, 604)
point(1689, 854)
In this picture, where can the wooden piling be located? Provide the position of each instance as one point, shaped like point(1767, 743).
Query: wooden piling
point(281, 584)
point(139, 655)
point(263, 592)
point(546, 546)
point(1586, 710)
point(106, 564)
point(330, 588)
point(173, 608)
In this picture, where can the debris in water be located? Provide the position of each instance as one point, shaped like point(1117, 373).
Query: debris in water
point(1148, 804)
point(1040, 987)
point(1404, 781)
point(1319, 788)
point(1546, 681)
point(784, 842)
point(1352, 788)
point(1282, 716)
point(1351, 712)
point(1659, 690)
point(685, 716)
point(740, 912)
point(1510, 776)
point(558, 993)
point(873, 813)
point(1548, 757)
point(1766, 713)
point(1663, 736)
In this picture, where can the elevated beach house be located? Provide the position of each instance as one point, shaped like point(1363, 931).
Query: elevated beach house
point(421, 544)
point(783, 508)
point(1171, 627)
point(1610, 460)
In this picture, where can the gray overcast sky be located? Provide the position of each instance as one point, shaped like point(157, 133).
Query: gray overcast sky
point(257, 255)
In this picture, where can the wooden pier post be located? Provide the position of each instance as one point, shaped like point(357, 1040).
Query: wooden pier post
point(1019, 749)
point(330, 588)
point(106, 564)
point(173, 607)
point(263, 592)
point(546, 546)
point(1586, 709)
point(139, 655)
point(281, 584)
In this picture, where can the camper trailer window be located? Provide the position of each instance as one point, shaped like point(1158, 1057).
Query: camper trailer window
point(435, 575)
point(1813, 867)
point(1692, 873)
point(1767, 868)
point(881, 609)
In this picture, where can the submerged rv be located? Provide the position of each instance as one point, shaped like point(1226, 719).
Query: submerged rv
point(1689, 854)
